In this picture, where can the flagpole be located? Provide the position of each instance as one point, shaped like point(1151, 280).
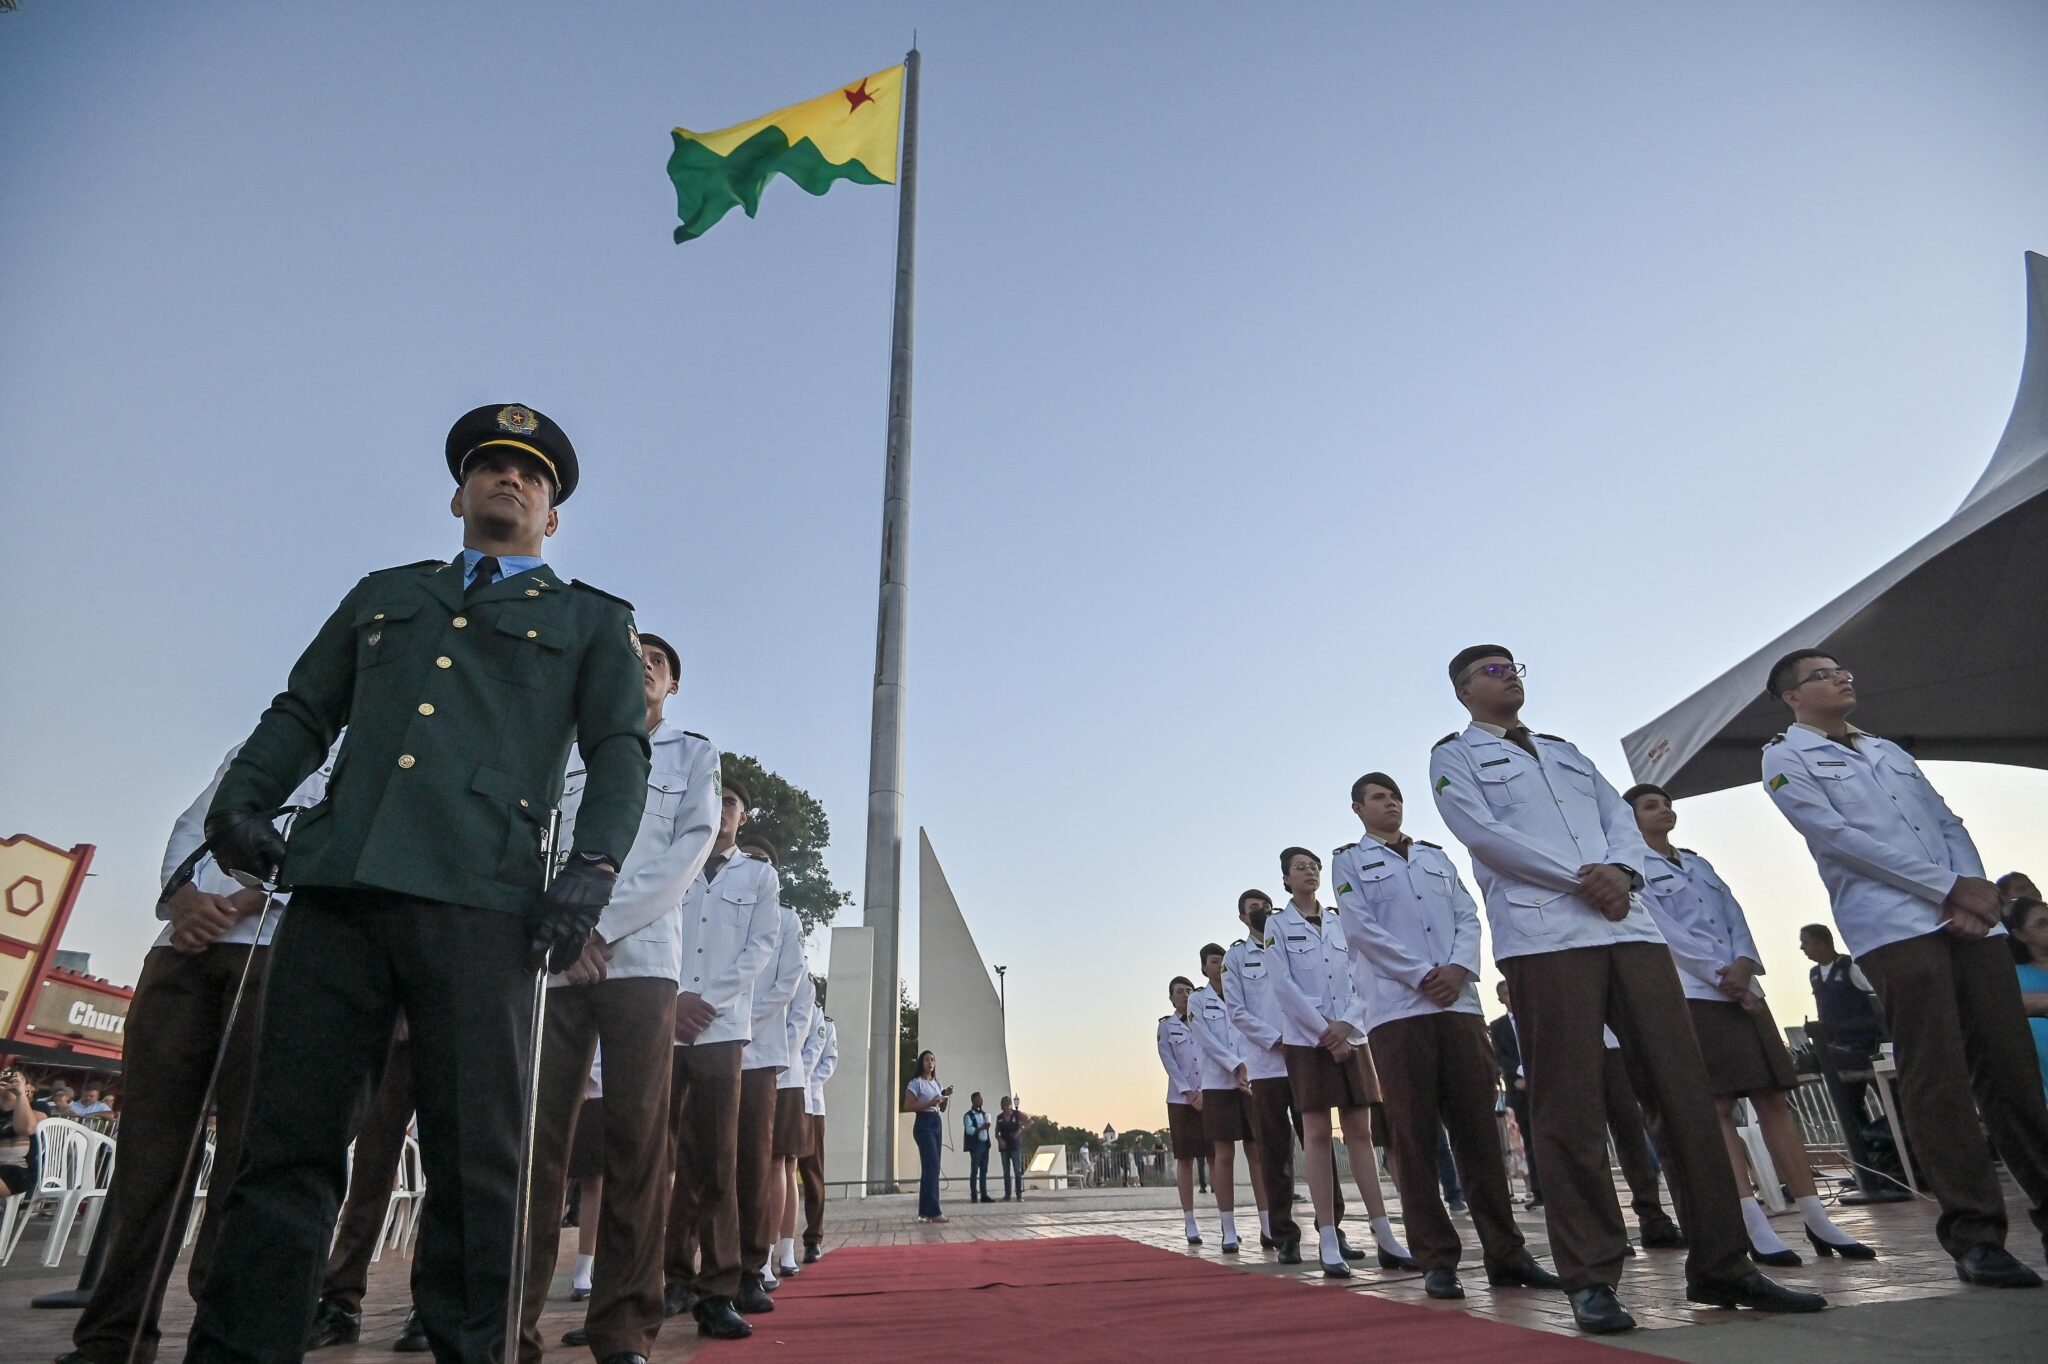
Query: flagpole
point(881, 905)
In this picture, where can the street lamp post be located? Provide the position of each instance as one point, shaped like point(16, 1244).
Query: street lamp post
point(1003, 993)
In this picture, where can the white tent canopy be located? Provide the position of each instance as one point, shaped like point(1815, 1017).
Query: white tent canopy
point(1949, 641)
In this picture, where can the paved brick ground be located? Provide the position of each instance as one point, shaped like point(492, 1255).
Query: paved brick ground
point(1906, 1305)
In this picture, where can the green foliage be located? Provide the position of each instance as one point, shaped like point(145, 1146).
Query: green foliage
point(795, 822)
point(906, 1043)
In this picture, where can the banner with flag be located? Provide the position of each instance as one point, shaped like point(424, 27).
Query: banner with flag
point(849, 134)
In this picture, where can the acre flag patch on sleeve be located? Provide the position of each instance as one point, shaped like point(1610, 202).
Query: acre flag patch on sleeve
point(849, 134)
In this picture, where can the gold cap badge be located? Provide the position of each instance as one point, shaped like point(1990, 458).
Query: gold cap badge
point(516, 420)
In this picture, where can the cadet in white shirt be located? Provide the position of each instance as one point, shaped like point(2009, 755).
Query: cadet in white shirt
point(1328, 1065)
point(731, 936)
point(1254, 1010)
point(1915, 911)
point(790, 1128)
point(1226, 1094)
point(811, 1169)
point(1180, 1055)
point(173, 1035)
point(621, 994)
point(767, 1056)
point(1412, 932)
point(1559, 860)
point(1717, 964)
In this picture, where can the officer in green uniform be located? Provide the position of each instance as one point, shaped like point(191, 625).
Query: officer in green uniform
point(418, 887)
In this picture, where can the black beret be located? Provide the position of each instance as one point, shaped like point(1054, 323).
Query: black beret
point(730, 781)
point(675, 660)
point(1465, 658)
point(518, 427)
point(1641, 789)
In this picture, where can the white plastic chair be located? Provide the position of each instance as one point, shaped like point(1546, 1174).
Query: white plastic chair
point(399, 1204)
point(199, 1188)
point(63, 1174)
point(1769, 1188)
point(411, 1156)
point(10, 1211)
point(95, 1200)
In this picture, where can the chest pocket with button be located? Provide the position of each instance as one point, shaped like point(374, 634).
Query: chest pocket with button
point(1253, 967)
point(1504, 786)
point(1580, 779)
point(1378, 883)
point(1843, 790)
point(381, 632)
point(734, 906)
point(522, 645)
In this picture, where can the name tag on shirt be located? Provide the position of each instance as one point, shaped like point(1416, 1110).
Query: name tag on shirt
point(1831, 762)
point(1497, 762)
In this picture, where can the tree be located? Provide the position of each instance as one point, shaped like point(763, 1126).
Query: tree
point(793, 820)
point(906, 1039)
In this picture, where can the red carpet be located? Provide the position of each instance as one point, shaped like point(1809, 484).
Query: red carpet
point(1102, 1298)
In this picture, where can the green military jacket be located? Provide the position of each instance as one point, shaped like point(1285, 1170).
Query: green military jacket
point(460, 715)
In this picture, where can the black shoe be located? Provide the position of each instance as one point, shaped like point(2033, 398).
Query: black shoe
point(1599, 1313)
point(623, 1357)
point(1290, 1251)
point(1194, 1240)
point(334, 1324)
point(1759, 1292)
point(752, 1299)
point(412, 1337)
point(1456, 1205)
point(579, 1336)
point(1994, 1267)
point(1855, 1250)
point(717, 1319)
point(73, 1357)
point(578, 1294)
point(676, 1298)
point(1777, 1259)
point(1266, 1242)
point(1442, 1283)
point(1231, 1247)
point(811, 1252)
point(1346, 1249)
point(1666, 1235)
point(1532, 1203)
point(1336, 1269)
point(1628, 1248)
point(1406, 1262)
point(1526, 1274)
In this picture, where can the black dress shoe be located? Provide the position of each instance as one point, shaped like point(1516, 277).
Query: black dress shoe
point(334, 1324)
point(1336, 1269)
point(1406, 1262)
point(579, 1336)
point(1442, 1283)
point(752, 1298)
point(1347, 1250)
point(1777, 1259)
point(1526, 1274)
point(624, 1357)
point(1266, 1242)
point(1855, 1250)
point(676, 1298)
point(1759, 1292)
point(1599, 1313)
point(73, 1357)
point(1230, 1247)
point(412, 1337)
point(1290, 1251)
point(811, 1252)
point(717, 1319)
point(1994, 1267)
point(1665, 1235)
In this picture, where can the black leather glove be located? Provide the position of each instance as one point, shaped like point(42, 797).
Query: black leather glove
point(247, 842)
point(569, 911)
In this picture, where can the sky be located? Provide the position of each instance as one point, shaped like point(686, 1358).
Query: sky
point(1266, 355)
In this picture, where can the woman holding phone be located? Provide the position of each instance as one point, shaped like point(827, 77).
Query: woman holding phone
point(928, 1101)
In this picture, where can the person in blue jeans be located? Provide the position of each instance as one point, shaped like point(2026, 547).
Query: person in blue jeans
point(975, 1131)
point(926, 1099)
point(1010, 1143)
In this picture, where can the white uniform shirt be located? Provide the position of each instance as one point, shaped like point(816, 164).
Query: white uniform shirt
point(797, 1031)
point(777, 987)
point(1700, 919)
point(1403, 917)
point(823, 1068)
point(731, 931)
point(1218, 1052)
point(643, 922)
point(1314, 983)
point(1888, 847)
point(1248, 969)
point(189, 831)
point(1530, 824)
point(1179, 1053)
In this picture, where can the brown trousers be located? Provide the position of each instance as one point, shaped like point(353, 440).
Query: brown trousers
point(174, 1032)
point(1561, 1000)
point(1273, 1135)
point(635, 1022)
point(1440, 1066)
point(380, 1141)
point(1953, 1008)
point(1625, 1124)
point(756, 1164)
point(810, 1170)
point(704, 1211)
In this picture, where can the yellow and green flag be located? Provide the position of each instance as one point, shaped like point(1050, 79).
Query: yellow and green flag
point(849, 134)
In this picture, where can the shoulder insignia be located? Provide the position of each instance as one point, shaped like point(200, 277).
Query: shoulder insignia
point(750, 852)
point(695, 735)
point(1778, 781)
point(1553, 738)
point(1425, 843)
point(1345, 849)
point(424, 563)
point(1689, 852)
point(1776, 739)
point(600, 592)
point(1238, 943)
point(1446, 739)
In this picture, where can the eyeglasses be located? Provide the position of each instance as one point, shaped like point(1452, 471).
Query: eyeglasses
point(1498, 670)
point(1825, 675)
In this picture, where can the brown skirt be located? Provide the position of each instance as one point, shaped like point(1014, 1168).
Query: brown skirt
point(1743, 1051)
point(1184, 1125)
point(1320, 1084)
point(791, 1131)
point(586, 1148)
point(1224, 1116)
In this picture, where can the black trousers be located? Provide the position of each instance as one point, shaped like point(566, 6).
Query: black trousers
point(345, 963)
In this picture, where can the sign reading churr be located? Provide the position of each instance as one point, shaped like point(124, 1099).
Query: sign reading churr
point(41, 1003)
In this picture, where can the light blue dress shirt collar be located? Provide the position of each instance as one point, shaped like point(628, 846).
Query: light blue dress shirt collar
point(508, 564)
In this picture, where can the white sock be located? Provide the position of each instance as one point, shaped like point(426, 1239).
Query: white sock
point(583, 1263)
point(787, 1250)
point(1193, 1230)
point(1326, 1241)
point(1817, 1221)
point(1229, 1228)
point(1266, 1224)
point(1761, 1238)
point(1383, 1233)
point(768, 1276)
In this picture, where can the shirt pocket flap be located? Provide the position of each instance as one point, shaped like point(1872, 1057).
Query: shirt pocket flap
point(501, 785)
point(545, 633)
point(738, 895)
point(386, 611)
point(1531, 897)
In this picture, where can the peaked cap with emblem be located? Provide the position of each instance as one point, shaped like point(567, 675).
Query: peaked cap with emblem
point(518, 427)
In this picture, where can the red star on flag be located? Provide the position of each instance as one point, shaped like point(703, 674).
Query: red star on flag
point(858, 96)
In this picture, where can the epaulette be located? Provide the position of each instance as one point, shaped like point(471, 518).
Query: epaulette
point(1776, 739)
point(754, 853)
point(1166, 1018)
point(1425, 843)
point(1345, 849)
point(1238, 943)
point(826, 1017)
point(598, 591)
point(1441, 742)
point(424, 563)
point(695, 735)
point(1556, 739)
point(1688, 850)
